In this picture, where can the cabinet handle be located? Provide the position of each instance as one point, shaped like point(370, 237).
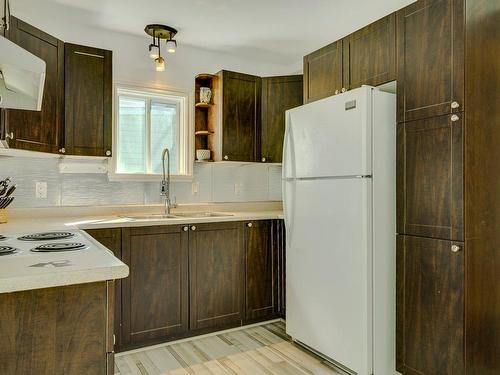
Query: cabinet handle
point(9, 135)
point(193, 227)
point(226, 157)
point(455, 105)
point(62, 150)
point(185, 228)
point(263, 160)
point(455, 248)
point(455, 118)
point(249, 225)
point(108, 153)
point(344, 89)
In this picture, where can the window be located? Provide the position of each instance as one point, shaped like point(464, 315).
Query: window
point(147, 121)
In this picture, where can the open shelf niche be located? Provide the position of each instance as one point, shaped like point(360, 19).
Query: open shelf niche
point(204, 114)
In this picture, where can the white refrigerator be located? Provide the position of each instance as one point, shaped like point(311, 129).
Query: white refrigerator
point(340, 214)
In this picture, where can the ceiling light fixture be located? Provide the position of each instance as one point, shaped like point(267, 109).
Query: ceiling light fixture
point(158, 32)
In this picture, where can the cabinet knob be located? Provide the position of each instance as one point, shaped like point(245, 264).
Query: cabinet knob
point(263, 160)
point(108, 153)
point(226, 157)
point(193, 227)
point(344, 89)
point(455, 118)
point(249, 225)
point(336, 92)
point(455, 248)
point(185, 228)
point(455, 105)
point(62, 150)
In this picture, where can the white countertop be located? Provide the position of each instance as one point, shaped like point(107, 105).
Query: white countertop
point(28, 270)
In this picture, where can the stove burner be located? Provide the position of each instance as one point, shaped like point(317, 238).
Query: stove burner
point(2, 237)
point(5, 250)
point(46, 236)
point(63, 246)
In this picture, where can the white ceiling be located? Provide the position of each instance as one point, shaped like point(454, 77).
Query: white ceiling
point(278, 31)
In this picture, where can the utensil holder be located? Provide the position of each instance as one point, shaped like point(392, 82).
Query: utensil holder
point(3, 216)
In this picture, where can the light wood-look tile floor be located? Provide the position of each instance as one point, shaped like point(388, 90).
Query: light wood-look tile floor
point(263, 349)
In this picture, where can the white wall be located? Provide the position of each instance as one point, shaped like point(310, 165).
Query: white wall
point(132, 65)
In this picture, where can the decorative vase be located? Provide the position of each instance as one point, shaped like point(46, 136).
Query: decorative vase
point(205, 95)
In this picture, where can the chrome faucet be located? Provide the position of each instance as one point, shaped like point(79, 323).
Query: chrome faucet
point(165, 183)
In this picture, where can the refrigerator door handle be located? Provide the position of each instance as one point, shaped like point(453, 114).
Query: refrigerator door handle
point(288, 151)
point(288, 206)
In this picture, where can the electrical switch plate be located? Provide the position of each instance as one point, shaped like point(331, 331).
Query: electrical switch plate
point(41, 190)
point(195, 187)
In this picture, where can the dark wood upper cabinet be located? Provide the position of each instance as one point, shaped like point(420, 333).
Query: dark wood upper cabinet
point(237, 119)
point(278, 95)
point(431, 307)
point(38, 130)
point(262, 276)
point(430, 59)
point(88, 101)
point(155, 295)
point(217, 275)
point(112, 239)
point(430, 177)
point(370, 54)
point(323, 72)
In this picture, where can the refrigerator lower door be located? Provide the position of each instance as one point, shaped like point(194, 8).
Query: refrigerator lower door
point(329, 268)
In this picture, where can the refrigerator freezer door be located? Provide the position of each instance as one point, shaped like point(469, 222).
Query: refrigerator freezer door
point(329, 273)
point(329, 137)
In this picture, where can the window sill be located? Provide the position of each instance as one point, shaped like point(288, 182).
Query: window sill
point(139, 177)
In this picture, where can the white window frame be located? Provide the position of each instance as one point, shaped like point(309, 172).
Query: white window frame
point(186, 138)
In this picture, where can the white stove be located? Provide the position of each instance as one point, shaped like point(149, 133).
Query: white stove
point(43, 242)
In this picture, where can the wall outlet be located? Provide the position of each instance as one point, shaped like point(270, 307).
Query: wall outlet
point(237, 188)
point(195, 188)
point(41, 190)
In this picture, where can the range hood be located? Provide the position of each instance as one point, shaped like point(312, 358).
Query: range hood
point(22, 76)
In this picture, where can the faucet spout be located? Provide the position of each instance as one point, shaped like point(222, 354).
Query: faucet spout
point(165, 182)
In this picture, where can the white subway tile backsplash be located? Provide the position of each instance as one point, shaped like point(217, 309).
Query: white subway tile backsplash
point(215, 182)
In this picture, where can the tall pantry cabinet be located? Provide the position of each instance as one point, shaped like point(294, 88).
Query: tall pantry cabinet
point(448, 218)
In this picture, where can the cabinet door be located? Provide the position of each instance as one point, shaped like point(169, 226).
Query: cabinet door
point(430, 177)
point(370, 54)
point(431, 59)
point(39, 130)
point(278, 95)
point(431, 306)
point(323, 72)
point(155, 295)
point(241, 116)
point(112, 239)
point(88, 95)
point(261, 270)
point(217, 275)
point(280, 243)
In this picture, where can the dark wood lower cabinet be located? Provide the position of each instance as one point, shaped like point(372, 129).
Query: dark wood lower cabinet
point(112, 239)
point(62, 330)
point(217, 275)
point(430, 306)
point(190, 279)
point(155, 295)
point(262, 278)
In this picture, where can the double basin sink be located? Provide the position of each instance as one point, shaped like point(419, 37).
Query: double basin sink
point(180, 215)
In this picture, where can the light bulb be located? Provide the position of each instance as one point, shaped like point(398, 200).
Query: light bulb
point(160, 64)
point(153, 51)
point(171, 46)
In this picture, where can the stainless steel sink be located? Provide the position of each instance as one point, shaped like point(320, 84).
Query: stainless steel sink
point(148, 217)
point(202, 214)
